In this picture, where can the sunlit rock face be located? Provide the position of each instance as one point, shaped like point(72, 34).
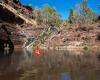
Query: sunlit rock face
point(7, 16)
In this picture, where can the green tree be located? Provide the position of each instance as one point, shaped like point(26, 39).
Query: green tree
point(71, 16)
point(38, 15)
point(86, 12)
point(47, 15)
point(51, 16)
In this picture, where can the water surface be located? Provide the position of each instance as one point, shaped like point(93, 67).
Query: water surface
point(52, 65)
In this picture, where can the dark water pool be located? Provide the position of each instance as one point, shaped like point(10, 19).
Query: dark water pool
point(52, 65)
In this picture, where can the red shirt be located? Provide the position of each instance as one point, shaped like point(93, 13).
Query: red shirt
point(38, 51)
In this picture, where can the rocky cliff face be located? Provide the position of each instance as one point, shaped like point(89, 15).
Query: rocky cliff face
point(88, 34)
point(19, 20)
point(13, 16)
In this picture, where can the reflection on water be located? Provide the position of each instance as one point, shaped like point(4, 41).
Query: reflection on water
point(53, 65)
point(65, 76)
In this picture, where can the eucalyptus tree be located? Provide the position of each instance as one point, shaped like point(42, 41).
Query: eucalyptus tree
point(38, 15)
point(86, 12)
point(51, 16)
point(71, 14)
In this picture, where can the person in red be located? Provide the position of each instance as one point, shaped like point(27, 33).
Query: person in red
point(38, 51)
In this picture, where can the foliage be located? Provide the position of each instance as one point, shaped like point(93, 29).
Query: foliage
point(38, 15)
point(71, 15)
point(47, 15)
point(51, 16)
point(85, 14)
